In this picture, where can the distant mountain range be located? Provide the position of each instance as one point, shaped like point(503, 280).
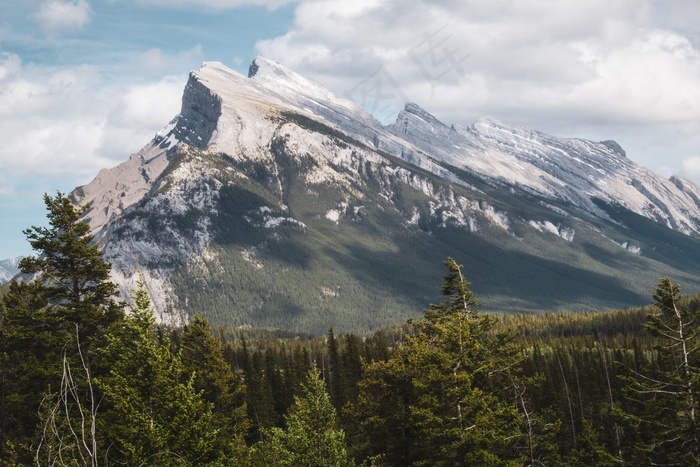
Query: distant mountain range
point(269, 201)
point(9, 269)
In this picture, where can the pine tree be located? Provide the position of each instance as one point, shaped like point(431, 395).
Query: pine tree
point(55, 323)
point(260, 398)
point(71, 269)
point(312, 437)
point(155, 415)
point(384, 411)
point(352, 368)
point(203, 360)
point(668, 393)
point(334, 374)
point(449, 386)
point(27, 352)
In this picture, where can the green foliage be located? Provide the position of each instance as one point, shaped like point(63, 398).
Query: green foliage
point(203, 357)
point(156, 415)
point(81, 383)
point(52, 328)
point(454, 376)
point(312, 436)
point(72, 270)
point(458, 301)
point(667, 393)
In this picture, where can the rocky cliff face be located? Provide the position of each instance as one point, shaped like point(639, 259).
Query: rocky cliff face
point(270, 201)
point(574, 171)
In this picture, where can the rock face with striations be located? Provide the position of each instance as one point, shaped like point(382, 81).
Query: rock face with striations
point(269, 201)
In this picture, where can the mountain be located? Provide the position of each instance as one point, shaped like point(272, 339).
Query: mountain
point(269, 201)
point(9, 269)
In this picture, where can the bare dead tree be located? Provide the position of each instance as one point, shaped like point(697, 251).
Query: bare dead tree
point(69, 430)
point(568, 399)
point(611, 401)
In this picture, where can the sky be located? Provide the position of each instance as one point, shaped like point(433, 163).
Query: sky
point(86, 83)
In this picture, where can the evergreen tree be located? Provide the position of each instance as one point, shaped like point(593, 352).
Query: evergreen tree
point(155, 415)
point(384, 411)
point(53, 324)
point(71, 269)
point(203, 360)
point(274, 380)
point(334, 373)
point(352, 368)
point(449, 383)
point(28, 354)
point(311, 438)
point(668, 392)
point(260, 398)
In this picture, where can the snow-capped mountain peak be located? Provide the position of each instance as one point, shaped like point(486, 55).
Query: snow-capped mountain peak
point(295, 88)
point(268, 168)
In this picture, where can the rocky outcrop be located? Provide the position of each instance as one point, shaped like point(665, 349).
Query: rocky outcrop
point(199, 117)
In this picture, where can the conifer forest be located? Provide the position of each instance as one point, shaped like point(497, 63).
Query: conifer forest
point(88, 377)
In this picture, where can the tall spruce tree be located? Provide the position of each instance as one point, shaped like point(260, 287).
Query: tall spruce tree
point(71, 268)
point(312, 437)
point(28, 352)
point(203, 360)
point(449, 386)
point(334, 372)
point(668, 392)
point(352, 368)
point(154, 413)
point(52, 324)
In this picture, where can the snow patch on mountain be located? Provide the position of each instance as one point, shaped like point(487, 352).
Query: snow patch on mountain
point(265, 217)
point(500, 218)
point(333, 215)
point(580, 171)
point(344, 211)
point(294, 87)
point(250, 255)
point(558, 230)
point(629, 247)
point(415, 217)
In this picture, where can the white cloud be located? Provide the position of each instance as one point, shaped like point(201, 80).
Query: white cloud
point(138, 113)
point(66, 123)
point(691, 167)
point(217, 4)
point(155, 62)
point(678, 14)
point(652, 80)
point(10, 65)
point(57, 17)
point(148, 105)
point(7, 192)
point(594, 60)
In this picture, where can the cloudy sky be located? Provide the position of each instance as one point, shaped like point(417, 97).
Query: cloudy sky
point(85, 83)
